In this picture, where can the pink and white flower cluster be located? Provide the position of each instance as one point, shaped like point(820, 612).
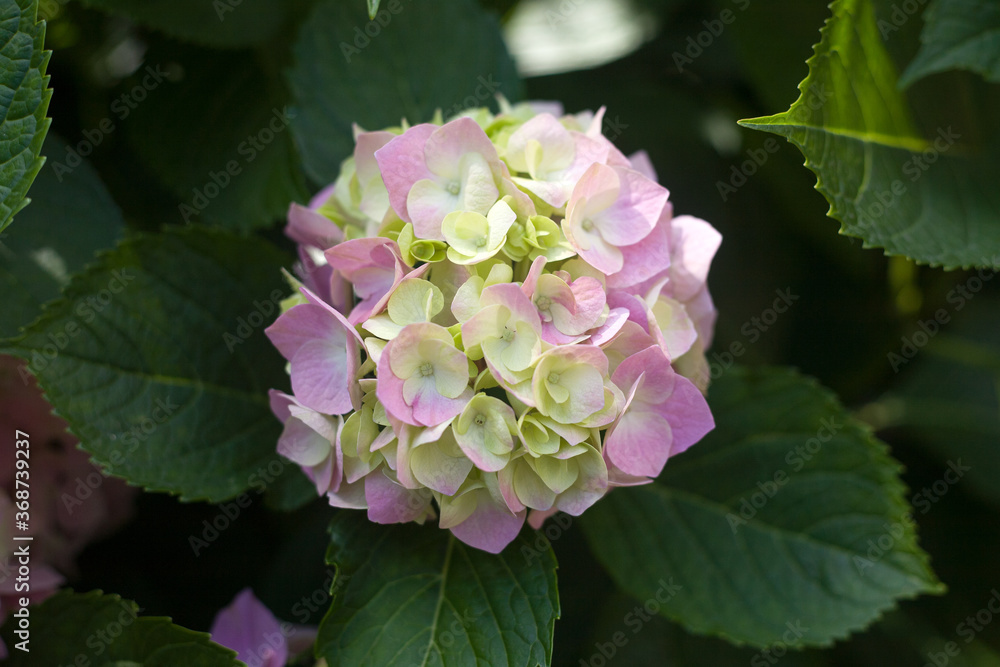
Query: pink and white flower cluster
point(496, 314)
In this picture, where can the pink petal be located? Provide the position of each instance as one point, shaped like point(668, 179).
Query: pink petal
point(491, 527)
point(659, 378)
point(664, 415)
point(617, 317)
point(531, 280)
point(640, 443)
point(702, 311)
point(641, 163)
point(389, 502)
point(323, 354)
point(349, 496)
point(303, 445)
point(536, 518)
point(249, 628)
point(588, 301)
point(402, 164)
point(279, 402)
point(322, 196)
point(617, 477)
point(364, 155)
point(694, 243)
point(635, 306)
point(634, 214)
point(631, 339)
point(371, 264)
point(648, 258)
point(688, 413)
point(429, 203)
point(426, 410)
point(447, 144)
point(322, 373)
point(307, 227)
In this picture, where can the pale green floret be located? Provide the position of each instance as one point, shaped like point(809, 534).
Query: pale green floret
point(614, 401)
point(539, 482)
point(539, 236)
point(537, 439)
point(542, 435)
point(416, 250)
point(392, 227)
point(559, 473)
point(577, 268)
point(374, 347)
point(548, 234)
point(484, 381)
point(485, 430)
point(370, 400)
point(434, 360)
point(290, 302)
point(472, 237)
point(413, 301)
point(466, 301)
point(477, 487)
point(567, 390)
point(515, 348)
point(517, 246)
point(345, 207)
point(356, 438)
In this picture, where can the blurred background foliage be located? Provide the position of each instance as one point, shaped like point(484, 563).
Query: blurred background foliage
point(854, 307)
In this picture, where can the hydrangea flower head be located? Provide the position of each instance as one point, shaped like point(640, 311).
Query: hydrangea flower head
point(504, 320)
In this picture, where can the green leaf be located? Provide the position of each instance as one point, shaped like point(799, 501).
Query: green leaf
point(431, 54)
point(220, 140)
point(219, 23)
point(958, 34)
point(373, 8)
point(768, 525)
point(24, 99)
point(72, 217)
point(415, 595)
point(156, 357)
point(107, 630)
point(931, 199)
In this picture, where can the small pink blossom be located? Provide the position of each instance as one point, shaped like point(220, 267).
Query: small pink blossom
point(664, 415)
point(432, 171)
point(611, 207)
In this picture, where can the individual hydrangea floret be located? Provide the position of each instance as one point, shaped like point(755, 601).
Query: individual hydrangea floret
point(497, 317)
